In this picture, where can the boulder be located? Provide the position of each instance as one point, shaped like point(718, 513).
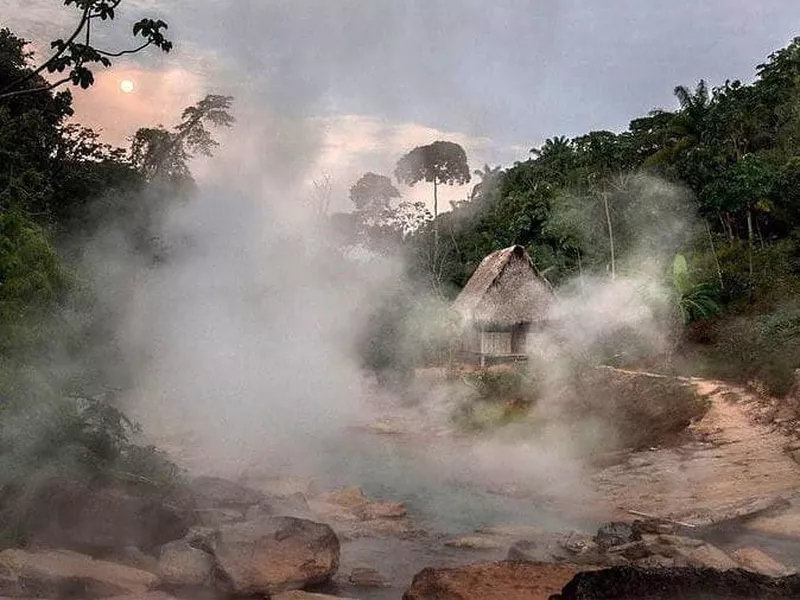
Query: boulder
point(103, 521)
point(491, 581)
point(276, 554)
point(65, 574)
point(616, 533)
point(131, 556)
point(758, 561)
point(635, 583)
point(301, 595)
point(383, 510)
point(216, 492)
point(181, 565)
point(146, 596)
point(474, 542)
point(366, 577)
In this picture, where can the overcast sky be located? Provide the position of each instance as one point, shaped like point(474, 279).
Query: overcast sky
point(362, 81)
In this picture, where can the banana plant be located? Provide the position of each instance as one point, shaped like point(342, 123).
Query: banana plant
point(696, 301)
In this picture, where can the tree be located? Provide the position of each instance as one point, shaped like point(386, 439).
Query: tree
point(438, 163)
point(75, 56)
point(373, 193)
point(162, 154)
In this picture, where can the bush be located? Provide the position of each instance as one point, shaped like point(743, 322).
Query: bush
point(498, 397)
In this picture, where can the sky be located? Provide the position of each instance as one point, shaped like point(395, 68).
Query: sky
point(347, 86)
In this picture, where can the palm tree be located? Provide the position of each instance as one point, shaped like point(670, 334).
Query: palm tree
point(690, 121)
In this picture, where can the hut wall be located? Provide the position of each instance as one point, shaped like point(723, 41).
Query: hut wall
point(496, 343)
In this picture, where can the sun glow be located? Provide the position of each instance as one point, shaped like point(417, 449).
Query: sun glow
point(126, 86)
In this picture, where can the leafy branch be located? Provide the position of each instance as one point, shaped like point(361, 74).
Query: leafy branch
point(76, 56)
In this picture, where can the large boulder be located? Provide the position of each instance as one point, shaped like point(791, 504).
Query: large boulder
point(102, 521)
point(635, 583)
point(276, 554)
point(759, 561)
point(64, 574)
point(491, 581)
point(181, 565)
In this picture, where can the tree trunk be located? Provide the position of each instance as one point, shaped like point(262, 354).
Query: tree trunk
point(435, 223)
point(610, 236)
point(716, 257)
point(750, 242)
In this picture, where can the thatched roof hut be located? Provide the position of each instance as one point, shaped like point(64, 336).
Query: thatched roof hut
point(501, 302)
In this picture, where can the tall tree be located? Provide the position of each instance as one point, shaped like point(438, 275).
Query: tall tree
point(373, 193)
point(437, 163)
point(162, 154)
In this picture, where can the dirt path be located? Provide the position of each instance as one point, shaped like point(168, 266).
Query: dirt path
point(729, 460)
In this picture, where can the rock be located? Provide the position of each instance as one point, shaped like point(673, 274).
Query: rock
point(300, 595)
point(216, 492)
point(366, 578)
point(214, 517)
point(103, 521)
point(146, 596)
point(474, 542)
point(181, 565)
point(131, 556)
point(203, 538)
point(758, 561)
point(656, 561)
point(574, 548)
point(616, 533)
point(350, 497)
point(633, 583)
point(383, 510)
point(695, 553)
point(63, 574)
point(332, 512)
point(491, 581)
point(277, 554)
point(294, 505)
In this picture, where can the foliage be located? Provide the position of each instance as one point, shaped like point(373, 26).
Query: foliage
point(497, 398)
point(160, 154)
point(696, 301)
point(75, 57)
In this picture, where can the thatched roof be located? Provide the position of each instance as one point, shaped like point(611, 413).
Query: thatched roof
point(504, 290)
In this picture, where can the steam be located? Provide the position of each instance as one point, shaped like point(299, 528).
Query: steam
point(242, 347)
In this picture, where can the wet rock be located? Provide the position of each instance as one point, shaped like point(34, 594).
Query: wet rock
point(181, 565)
point(65, 574)
point(277, 554)
point(758, 561)
point(491, 581)
point(474, 542)
point(366, 577)
point(616, 533)
point(633, 583)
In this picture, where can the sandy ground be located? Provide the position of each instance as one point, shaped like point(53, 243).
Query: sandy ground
point(728, 460)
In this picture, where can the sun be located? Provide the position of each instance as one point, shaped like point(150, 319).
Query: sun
point(126, 86)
